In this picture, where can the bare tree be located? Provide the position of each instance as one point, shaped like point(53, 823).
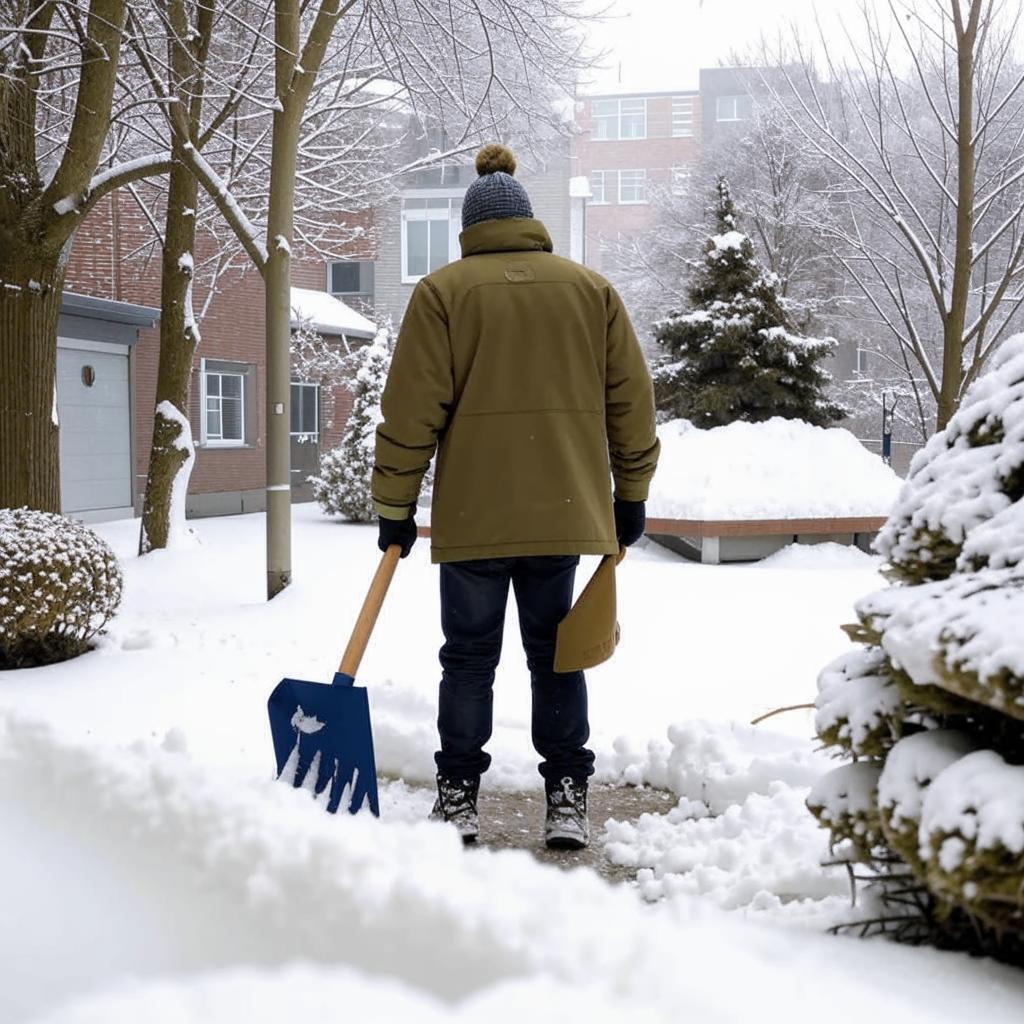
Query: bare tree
point(923, 129)
point(467, 67)
point(59, 95)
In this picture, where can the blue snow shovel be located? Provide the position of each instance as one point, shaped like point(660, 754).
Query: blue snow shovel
point(322, 736)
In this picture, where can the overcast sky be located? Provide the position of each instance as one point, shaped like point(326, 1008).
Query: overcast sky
point(662, 44)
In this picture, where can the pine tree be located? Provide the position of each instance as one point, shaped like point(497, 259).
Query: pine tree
point(343, 486)
point(738, 355)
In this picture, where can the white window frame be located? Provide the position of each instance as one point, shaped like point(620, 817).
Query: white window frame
point(307, 435)
point(642, 173)
point(679, 179)
point(605, 179)
point(220, 442)
point(642, 113)
point(719, 103)
point(454, 226)
point(616, 118)
point(862, 361)
point(682, 116)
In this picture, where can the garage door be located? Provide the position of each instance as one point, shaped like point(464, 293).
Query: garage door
point(95, 431)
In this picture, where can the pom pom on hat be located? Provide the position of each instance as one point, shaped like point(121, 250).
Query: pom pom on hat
point(495, 157)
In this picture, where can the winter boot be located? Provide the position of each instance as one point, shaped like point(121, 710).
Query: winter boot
point(456, 804)
point(566, 826)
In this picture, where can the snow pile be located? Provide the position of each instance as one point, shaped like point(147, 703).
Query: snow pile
point(780, 469)
point(328, 314)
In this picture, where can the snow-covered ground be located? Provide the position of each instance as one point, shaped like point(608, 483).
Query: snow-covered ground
point(153, 869)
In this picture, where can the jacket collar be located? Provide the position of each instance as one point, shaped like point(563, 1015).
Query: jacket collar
point(510, 234)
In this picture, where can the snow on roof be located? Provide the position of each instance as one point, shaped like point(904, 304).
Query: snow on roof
point(782, 469)
point(329, 315)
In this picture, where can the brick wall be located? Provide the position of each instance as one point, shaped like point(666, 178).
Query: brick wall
point(114, 256)
point(657, 154)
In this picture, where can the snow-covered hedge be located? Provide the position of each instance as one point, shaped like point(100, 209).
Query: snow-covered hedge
point(59, 586)
point(780, 469)
point(932, 707)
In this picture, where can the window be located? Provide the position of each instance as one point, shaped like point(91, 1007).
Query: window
point(682, 116)
point(305, 402)
point(598, 187)
point(730, 108)
point(619, 119)
point(862, 361)
point(430, 234)
point(632, 119)
point(350, 277)
point(632, 187)
point(680, 179)
point(223, 408)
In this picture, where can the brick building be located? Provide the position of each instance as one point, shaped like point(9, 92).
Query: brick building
point(627, 146)
point(108, 354)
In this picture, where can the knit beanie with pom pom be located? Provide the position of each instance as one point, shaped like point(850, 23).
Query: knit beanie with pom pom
point(495, 195)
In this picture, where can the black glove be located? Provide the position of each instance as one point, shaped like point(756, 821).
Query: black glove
point(397, 531)
point(630, 519)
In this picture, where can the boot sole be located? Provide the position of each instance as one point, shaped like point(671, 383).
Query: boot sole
point(565, 843)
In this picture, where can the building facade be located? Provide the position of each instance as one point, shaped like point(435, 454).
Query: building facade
point(627, 147)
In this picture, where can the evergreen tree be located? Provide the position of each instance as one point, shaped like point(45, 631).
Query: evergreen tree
point(343, 486)
point(738, 355)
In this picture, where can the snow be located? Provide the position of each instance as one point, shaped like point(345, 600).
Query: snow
point(179, 532)
point(163, 874)
point(966, 625)
point(780, 469)
point(979, 798)
point(328, 314)
point(912, 766)
point(856, 697)
point(729, 240)
point(961, 483)
point(186, 263)
point(579, 187)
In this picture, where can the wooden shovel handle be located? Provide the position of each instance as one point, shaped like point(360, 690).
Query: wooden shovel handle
point(371, 609)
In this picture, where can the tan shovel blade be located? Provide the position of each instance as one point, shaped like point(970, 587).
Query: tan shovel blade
point(588, 635)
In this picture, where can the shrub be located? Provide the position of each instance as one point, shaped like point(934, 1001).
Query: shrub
point(59, 586)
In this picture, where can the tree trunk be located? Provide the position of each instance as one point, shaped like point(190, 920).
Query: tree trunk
point(172, 454)
point(277, 286)
point(966, 167)
point(30, 291)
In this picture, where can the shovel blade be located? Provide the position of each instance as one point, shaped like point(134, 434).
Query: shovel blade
point(323, 742)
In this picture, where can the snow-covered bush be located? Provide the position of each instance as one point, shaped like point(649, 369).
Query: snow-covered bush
point(343, 485)
point(59, 586)
point(934, 703)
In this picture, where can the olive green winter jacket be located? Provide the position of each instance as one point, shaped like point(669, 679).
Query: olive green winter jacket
point(522, 369)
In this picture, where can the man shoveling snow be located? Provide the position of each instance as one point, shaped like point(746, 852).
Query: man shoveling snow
point(522, 370)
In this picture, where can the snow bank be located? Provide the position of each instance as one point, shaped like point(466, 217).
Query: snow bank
point(781, 469)
point(328, 314)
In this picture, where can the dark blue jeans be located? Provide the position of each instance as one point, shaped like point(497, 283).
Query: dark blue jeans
point(473, 599)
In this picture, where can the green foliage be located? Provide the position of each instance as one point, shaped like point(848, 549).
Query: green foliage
point(737, 355)
point(343, 485)
point(59, 585)
point(935, 701)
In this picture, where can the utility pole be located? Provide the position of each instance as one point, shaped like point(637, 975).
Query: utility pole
point(888, 414)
